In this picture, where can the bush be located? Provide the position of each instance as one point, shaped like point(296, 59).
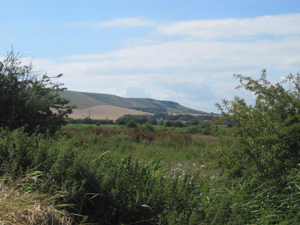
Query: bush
point(147, 127)
point(265, 143)
point(29, 99)
point(131, 124)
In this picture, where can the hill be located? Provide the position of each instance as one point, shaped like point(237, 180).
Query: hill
point(101, 106)
point(103, 112)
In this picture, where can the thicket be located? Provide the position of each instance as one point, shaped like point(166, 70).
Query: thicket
point(265, 142)
point(89, 121)
point(179, 120)
point(161, 118)
point(91, 175)
point(101, 188)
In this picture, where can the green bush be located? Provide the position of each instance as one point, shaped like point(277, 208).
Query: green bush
point(29, 99)
point(147, 127)
point(131, 124)
point(265, 143)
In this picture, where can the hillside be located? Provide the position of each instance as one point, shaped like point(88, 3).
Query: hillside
point(97, 105)
point(103, 112)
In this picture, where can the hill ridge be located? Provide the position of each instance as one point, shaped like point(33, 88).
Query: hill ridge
point(85, 100)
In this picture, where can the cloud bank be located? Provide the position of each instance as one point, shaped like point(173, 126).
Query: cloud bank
point(280, 25)
point(190, 62)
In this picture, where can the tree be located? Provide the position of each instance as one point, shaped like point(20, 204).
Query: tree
point(29, 98)
point(131, 124)
point(266, 139)
point(152, 121)
point(194, 122)
point(168, 123)
point(123, 120)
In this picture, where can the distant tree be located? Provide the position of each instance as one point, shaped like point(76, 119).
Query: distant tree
point(168, 123)
point(131, 124)
point(194, 122)
point(30, 99)
point(265, 144)
point(147, 127)
point(152, 121)
point(88, 120)
point(178, 124)
point(123, 120)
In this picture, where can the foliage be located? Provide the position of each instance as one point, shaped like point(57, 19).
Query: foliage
point(104, 189)
point(173, 124)
point(89, 121)
point(26, 99)
point(265, 143)
point(176, 118)
point(147, 127)
point(168, 123)
point(89, 173)
point(131, 124)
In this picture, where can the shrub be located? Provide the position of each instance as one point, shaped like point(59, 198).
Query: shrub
point(147, 127)
point(265, 143)
point(131, 124)
point(29, 99)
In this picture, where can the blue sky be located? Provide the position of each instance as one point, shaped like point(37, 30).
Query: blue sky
point(184, 51)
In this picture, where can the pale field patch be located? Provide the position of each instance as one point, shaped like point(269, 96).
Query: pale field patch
point(102, 112)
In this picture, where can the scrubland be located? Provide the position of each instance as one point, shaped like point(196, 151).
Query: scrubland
point(119, 175)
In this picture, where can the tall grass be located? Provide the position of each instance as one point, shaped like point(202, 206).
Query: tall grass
point(18, 206)
point(117, 176)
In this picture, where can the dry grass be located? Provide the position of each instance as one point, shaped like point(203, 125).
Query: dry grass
point(22, 208)
point(102, 112)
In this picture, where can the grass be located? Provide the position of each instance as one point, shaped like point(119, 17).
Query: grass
point(141, 145)
point(18, 206)
point(117, 175)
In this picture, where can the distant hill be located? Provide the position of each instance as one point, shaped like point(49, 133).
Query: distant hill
point(117, 106)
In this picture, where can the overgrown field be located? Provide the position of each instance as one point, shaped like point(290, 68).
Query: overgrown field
point(115, 175)
point(238, 168)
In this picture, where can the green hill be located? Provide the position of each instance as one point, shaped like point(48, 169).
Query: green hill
point(85, 100)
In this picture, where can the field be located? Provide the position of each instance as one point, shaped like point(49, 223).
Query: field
point(112, 174)
point(103, 112)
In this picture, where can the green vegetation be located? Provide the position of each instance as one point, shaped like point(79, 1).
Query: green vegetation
point(129, 175)
point(241, 169)
point(28, 98)
point(92, 172)
point(265, 142)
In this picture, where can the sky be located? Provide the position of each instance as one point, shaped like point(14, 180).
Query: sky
point(179, 50)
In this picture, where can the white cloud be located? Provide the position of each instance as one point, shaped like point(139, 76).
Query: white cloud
point(119, 22)
point(125, 22)
point(225, 28)
point(184, 57)
point(177, 70)
point(196, 72)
